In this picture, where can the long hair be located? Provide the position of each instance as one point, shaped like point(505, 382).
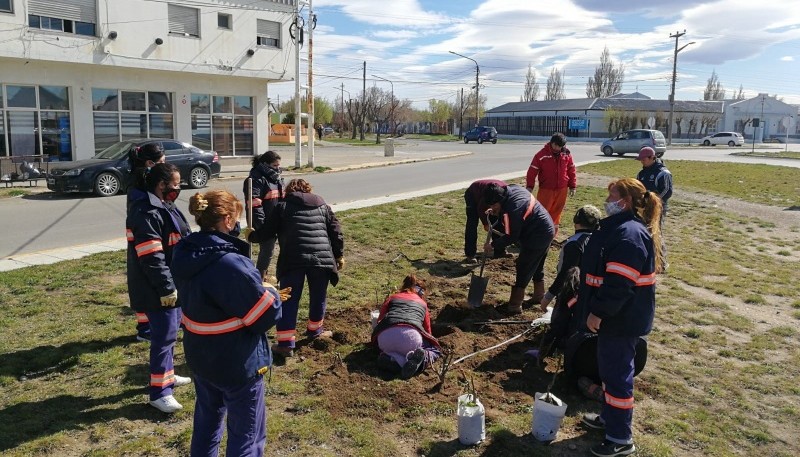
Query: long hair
point(211, 207)
point(413, 284)
point(647, 206)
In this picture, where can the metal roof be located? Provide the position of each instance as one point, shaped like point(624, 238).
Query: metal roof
point(600, 104)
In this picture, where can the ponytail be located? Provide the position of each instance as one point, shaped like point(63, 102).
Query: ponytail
point(647, 206)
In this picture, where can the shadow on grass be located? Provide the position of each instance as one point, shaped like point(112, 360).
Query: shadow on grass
point(365, 360)
point(443, 268)
point(504, 443)
point(43, 360)
point(28, 421)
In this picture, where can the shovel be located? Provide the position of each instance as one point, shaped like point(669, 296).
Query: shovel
point(477, 284)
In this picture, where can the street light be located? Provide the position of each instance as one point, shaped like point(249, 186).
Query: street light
point(391, 112)
point(674, 74)
point(477, 85)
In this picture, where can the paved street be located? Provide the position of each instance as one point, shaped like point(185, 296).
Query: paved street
point(45, 221)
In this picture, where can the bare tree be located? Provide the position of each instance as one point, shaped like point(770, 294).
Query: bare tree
point(739, 95)
point(678, 120)
point(555, 85)
point(531, 86)
point(714, 89)
point(379, 108)
point(607, 79)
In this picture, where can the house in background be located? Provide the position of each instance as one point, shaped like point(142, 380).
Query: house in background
point(772, 117)
point(79, 75)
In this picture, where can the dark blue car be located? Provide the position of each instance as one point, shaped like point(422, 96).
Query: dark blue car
point(481, 134)
point(108, 172)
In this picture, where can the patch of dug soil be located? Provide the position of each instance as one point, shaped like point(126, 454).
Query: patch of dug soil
point(505, 385)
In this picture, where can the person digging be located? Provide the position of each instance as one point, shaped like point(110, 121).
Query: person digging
point(526, 223)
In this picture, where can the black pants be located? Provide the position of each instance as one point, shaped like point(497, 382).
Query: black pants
point(530, 263)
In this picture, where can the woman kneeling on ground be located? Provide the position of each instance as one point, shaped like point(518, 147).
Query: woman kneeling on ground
point(403, 333)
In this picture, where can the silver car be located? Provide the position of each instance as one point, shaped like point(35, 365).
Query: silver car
point(631, 141)
point(729, 138)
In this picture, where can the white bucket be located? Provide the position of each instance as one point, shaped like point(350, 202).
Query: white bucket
point(547, 417)
point(471, 420)
point(374, 316)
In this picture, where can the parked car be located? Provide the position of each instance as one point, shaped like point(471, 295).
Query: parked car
point(729, 138)
point(108, 172)
point(631, 141)
point(327, 130)
point(481, 134)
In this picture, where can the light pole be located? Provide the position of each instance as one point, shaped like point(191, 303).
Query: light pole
point(391, 112)
point(674, 74)
point(477, 85)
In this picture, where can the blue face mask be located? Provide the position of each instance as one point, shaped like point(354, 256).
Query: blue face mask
point(613, 208)
point(237, 230)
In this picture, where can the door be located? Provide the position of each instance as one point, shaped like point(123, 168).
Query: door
point(179, 156)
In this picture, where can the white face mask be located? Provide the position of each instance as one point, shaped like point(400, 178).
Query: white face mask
point(613, 208)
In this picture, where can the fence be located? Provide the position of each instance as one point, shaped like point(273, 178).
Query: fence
point(25, 168)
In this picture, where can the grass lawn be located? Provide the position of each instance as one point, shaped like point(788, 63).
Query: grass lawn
point(721, 378)
point(9, 192)
point(777, 154)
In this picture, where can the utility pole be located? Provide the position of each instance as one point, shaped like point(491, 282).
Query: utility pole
point(674, 75)
point(760, 125)
point(363, 99)
point(477, 86)
point(461, 115)
point(312, 22)
point(298, 30)
point(341, 119)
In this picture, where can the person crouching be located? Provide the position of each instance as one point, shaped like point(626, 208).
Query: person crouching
point(403, 333)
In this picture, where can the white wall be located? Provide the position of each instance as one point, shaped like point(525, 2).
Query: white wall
point(80, 79)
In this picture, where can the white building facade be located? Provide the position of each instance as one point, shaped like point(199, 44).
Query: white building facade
point(79, 75)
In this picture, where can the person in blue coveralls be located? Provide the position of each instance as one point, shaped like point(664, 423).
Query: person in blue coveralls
point(617, 290)
point(153, 227)
point(227, 311)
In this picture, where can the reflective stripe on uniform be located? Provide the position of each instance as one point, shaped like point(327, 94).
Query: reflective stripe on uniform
point(174, 237)
point(261, 306)
point(619, 403)
point(646, 280)
point(212, 328)
point(530, 208)
point(148, 247)
point(285, 335)
point(161, 380)
point(506, 224)
point(129, 235)
point(623, 270)
point(572, 301)
point(314, 326)
point(142, 318)
point(594, 281)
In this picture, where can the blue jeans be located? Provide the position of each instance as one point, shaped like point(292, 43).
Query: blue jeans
point(318, 279)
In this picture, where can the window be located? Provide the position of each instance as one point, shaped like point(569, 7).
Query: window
point(183, 20)
point(69, 16)
point(224, 21)
point(35, 120)
point(268, 33)
point(223, 123)
point(6, 6)
point(126, 115)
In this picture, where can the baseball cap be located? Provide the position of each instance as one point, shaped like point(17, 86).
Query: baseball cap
point(646, 152)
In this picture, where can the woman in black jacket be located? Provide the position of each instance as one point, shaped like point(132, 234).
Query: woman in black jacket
point(312, 247)
point(267, 192)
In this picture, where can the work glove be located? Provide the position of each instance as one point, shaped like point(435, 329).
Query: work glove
point(168, 301)
point(340, 263)
point(285, 293)
point(488, 249)
point(572, 192)
point(246, 233)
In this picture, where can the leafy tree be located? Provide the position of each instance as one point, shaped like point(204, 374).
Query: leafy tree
point(531, 86)
point(555, 85)
point(438, 114)
point(739, 95)
point(607, 79)
point(714, 89)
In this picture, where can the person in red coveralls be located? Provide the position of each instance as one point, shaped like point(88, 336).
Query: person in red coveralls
point(556, 171)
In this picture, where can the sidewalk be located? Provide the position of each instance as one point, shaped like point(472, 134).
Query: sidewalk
point(332, 156)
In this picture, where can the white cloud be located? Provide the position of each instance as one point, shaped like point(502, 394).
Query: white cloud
point(787, 59)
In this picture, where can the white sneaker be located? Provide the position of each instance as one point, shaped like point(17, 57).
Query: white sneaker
point(182, 380)
point(166, 404)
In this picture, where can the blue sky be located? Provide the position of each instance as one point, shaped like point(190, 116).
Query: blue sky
point(748, 43)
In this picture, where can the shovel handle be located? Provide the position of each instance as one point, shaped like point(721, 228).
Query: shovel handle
point(488, 239)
